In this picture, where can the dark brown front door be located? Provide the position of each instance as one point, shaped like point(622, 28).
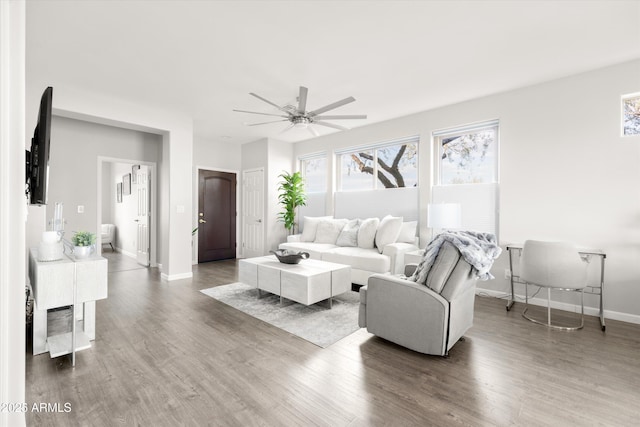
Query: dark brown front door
point(216, 216)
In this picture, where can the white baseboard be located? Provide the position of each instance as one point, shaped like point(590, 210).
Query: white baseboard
point(172, 277)
point(574, 308)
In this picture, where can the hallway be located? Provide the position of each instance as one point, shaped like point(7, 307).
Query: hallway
point(119, 262)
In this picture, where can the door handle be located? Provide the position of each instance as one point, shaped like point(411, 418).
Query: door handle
point(136, 220)
point(202, 221)
point(258, 220)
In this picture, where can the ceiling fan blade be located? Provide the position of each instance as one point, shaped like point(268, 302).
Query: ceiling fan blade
point(286, 129)
point(264, 114)
point(330, 125)
point(332, 106)
point(269, 102)
point(313, 131)
point(343, 117)
point(302, 99)
point(265, 123)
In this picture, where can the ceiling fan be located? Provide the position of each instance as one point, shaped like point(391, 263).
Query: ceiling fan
point(298, 116)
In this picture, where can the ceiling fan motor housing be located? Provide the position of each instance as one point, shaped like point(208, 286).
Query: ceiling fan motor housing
point(301, 121)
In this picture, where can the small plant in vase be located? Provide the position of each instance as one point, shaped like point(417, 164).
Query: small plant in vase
point(83, 242)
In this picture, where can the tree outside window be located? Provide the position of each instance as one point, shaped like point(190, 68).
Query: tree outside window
point(394, 166)
point(469, 158)
point(631, 115)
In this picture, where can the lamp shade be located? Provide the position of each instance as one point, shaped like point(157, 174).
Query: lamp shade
point(444, 215)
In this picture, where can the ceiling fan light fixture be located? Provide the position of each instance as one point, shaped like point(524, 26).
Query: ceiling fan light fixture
point(300, 122)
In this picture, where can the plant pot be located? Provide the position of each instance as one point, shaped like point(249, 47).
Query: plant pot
point(81, 252)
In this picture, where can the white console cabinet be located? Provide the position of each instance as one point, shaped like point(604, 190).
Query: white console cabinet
point(67, 282)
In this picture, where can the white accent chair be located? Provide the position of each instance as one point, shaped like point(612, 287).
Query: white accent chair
point(553, 265)
point(428, 318)
point(108, 233)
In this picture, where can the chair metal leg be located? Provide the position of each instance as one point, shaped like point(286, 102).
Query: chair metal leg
point(549, 324)
point(548, 306)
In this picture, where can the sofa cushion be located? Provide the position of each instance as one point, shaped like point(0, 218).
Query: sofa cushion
point(367, 233)
point(388, 231)
point(359, 258)
point(408, 232)
point(349, 234)
point(329, 230)
point(315, 250)
point(310, 226)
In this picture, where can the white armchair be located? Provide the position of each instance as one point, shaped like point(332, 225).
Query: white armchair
point(427, 318)
point(108, 234)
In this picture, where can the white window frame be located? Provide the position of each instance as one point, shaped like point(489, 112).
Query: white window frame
point(622, 101)
point(414, 139)
point(437, 137)
point(314, 156)
point(485, 214)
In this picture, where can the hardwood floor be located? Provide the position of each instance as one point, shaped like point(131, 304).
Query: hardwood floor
point(167, 355)
point(119, 262)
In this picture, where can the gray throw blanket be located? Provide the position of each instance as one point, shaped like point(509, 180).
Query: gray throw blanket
point(478, 249)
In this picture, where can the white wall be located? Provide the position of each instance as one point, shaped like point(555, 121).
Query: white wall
point(565, 172)
point(108, 193)
point(176, 131)
point(12, 210)
point(280, 160)
point(216, 155)
point(75, 148)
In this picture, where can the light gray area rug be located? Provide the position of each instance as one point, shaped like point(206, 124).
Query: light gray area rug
point(315, 323)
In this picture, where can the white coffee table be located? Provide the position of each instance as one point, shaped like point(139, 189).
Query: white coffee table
point(309, 282)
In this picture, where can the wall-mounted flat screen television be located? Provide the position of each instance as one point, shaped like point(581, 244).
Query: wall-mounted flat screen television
point(37, 160)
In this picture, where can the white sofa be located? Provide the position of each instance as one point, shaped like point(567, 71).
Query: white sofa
point(378, 247)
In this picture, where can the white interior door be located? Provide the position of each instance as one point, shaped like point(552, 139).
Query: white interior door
point(142, 219)
point(253, 213)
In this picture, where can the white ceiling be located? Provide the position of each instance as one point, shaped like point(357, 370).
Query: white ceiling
point(396, 58)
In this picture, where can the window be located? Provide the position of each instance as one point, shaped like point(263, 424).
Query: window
point(631, 114)
point(469, 156)
point(314, 171)
point(466, 164)
point(389, 165)
point(356, 171)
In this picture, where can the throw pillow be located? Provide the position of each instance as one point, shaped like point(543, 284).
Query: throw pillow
point(349, 234)
point(310, 226)
point(388, 231)
point(367, 233)
point(408, 232)
point(329, 230)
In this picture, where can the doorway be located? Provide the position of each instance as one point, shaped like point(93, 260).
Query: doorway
point(127, 199)
point(253, 212)
point(216, 215)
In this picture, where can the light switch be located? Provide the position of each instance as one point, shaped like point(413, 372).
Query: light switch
point(180, 208)
point(80, 209)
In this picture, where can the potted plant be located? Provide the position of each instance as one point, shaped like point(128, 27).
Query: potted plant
point(291, 196)
point(84, 243)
